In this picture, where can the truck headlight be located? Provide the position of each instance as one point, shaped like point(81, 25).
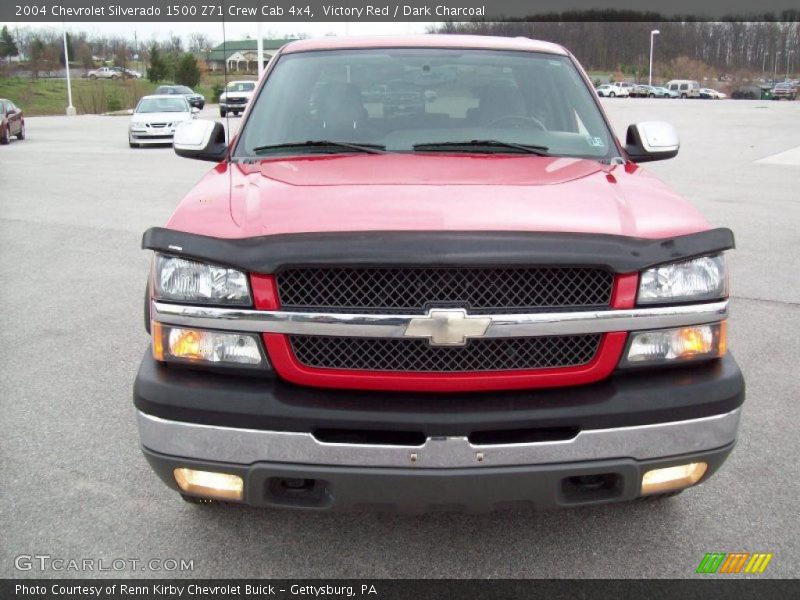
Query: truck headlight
point(694, 280)
point(668, 346)
point(182, 280)
point(199, 346)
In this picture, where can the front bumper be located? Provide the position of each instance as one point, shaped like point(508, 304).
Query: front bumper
point(269, 431)
point(161, 135)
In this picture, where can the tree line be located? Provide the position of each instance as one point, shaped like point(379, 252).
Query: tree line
point(618, 41)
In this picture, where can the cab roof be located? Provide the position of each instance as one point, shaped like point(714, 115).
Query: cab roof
point(477, 42)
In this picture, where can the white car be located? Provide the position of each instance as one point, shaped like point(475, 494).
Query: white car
point(155, 118)
point(235, 97)
point(612, 90)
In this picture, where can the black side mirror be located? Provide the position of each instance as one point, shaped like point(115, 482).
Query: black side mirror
point(200, 139)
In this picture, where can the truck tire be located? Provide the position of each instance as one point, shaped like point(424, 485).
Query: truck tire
point(222, 112)
point(5, 139)
point(147, 308)
point(196, 500)
point(611, 94)
point(21, 134)
point(92, 76)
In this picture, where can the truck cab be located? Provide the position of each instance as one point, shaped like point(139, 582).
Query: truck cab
point(426, 275)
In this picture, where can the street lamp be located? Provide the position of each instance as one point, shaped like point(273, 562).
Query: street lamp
point(653, 34)
point(70, 108)
point(788, 54)
point(775, 71)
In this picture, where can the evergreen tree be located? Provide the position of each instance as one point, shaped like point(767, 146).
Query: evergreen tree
point(187, 72)
point(158, 69)
point(7, 45)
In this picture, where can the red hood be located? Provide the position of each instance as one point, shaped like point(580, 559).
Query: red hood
point(433, 192)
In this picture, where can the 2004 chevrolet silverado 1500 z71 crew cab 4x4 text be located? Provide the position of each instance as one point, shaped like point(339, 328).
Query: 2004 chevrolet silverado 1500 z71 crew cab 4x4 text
point(476, 299)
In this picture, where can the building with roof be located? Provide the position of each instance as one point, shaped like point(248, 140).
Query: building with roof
point(241, 56)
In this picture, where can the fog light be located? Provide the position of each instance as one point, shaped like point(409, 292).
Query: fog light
point(660, 346)
point(670, 479)
point(179, 344)
point(220, 486)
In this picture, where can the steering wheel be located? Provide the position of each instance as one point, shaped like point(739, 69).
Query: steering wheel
point(522, 121)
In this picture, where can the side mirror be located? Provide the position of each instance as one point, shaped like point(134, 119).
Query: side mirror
point(651, 140)
point(200, 139)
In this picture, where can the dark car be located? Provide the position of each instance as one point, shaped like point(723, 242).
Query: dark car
point(193, 98)
point(12, 121)
point(784, 90)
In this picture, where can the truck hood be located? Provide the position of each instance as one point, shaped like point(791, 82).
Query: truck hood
point(481, 192)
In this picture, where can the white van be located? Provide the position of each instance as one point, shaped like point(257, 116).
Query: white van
point(685, 88)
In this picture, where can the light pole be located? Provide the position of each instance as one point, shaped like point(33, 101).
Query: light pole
point(260, 50)
point(653, 34)
point(775, 71)
point(788, 54)
point(70, 108)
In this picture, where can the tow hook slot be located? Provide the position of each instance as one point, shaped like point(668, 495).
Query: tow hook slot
point(300, 492)
point(591, 488)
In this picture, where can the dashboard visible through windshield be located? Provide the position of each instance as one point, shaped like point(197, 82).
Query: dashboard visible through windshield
point(425, 100)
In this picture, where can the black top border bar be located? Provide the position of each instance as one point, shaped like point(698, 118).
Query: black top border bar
point(213, 11)
point(269, 254)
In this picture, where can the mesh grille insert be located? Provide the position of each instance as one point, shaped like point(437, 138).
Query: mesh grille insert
point(412, 290)
point(417, 355)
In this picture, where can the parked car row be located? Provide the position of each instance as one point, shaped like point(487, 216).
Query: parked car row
point(678, 88)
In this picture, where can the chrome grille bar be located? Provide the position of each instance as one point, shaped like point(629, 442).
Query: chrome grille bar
point(394, 326)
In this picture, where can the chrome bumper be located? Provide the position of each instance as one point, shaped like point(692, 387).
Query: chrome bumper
point(396, 326)
point(248, 446)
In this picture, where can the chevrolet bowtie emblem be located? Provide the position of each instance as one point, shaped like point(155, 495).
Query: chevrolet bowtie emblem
point(447, 327)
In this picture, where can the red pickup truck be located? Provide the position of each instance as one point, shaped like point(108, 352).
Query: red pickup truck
point(471, 300)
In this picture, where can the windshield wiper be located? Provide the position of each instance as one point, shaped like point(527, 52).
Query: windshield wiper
point(527, 148)
point(342, 146)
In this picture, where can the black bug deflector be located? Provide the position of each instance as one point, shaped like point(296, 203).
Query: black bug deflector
point(268, 254)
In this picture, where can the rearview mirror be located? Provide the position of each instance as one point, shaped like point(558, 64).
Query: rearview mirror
point(651, 140)
point(200, 139)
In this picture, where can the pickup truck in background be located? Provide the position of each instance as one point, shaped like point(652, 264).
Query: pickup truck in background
point(104, 73)
point(481, 301)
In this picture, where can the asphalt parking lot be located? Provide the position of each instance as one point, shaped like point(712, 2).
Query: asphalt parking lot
point(74, 201)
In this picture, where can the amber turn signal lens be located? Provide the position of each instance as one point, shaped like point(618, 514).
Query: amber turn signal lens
point(662, 346)
point(670, 479)
point(220, 486)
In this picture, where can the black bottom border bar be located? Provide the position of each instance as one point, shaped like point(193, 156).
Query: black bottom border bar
point(709, 587)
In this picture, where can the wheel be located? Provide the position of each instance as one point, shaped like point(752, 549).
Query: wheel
point(21, 134)
point(222, 112)
point(147, 308)
point(651, 95)
point(115, 77)
point(92, 76)
point(611, 94)
point(683, 96)
point(196, 500)
point(656, 497)
point(5, 139)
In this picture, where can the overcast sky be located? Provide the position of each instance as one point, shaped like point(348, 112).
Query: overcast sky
point(234, 31)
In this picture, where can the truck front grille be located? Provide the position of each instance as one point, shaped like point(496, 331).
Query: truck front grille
point(413, 290)
point(417, 355)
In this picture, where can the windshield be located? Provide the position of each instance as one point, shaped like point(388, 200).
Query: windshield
point(182, 89)
point(240, 86)
point(401, 98)
point(156, 105)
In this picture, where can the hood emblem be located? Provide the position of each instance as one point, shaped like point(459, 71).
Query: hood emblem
point(447, 327)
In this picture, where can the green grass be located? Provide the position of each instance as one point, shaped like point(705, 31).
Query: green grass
point(49, 96)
